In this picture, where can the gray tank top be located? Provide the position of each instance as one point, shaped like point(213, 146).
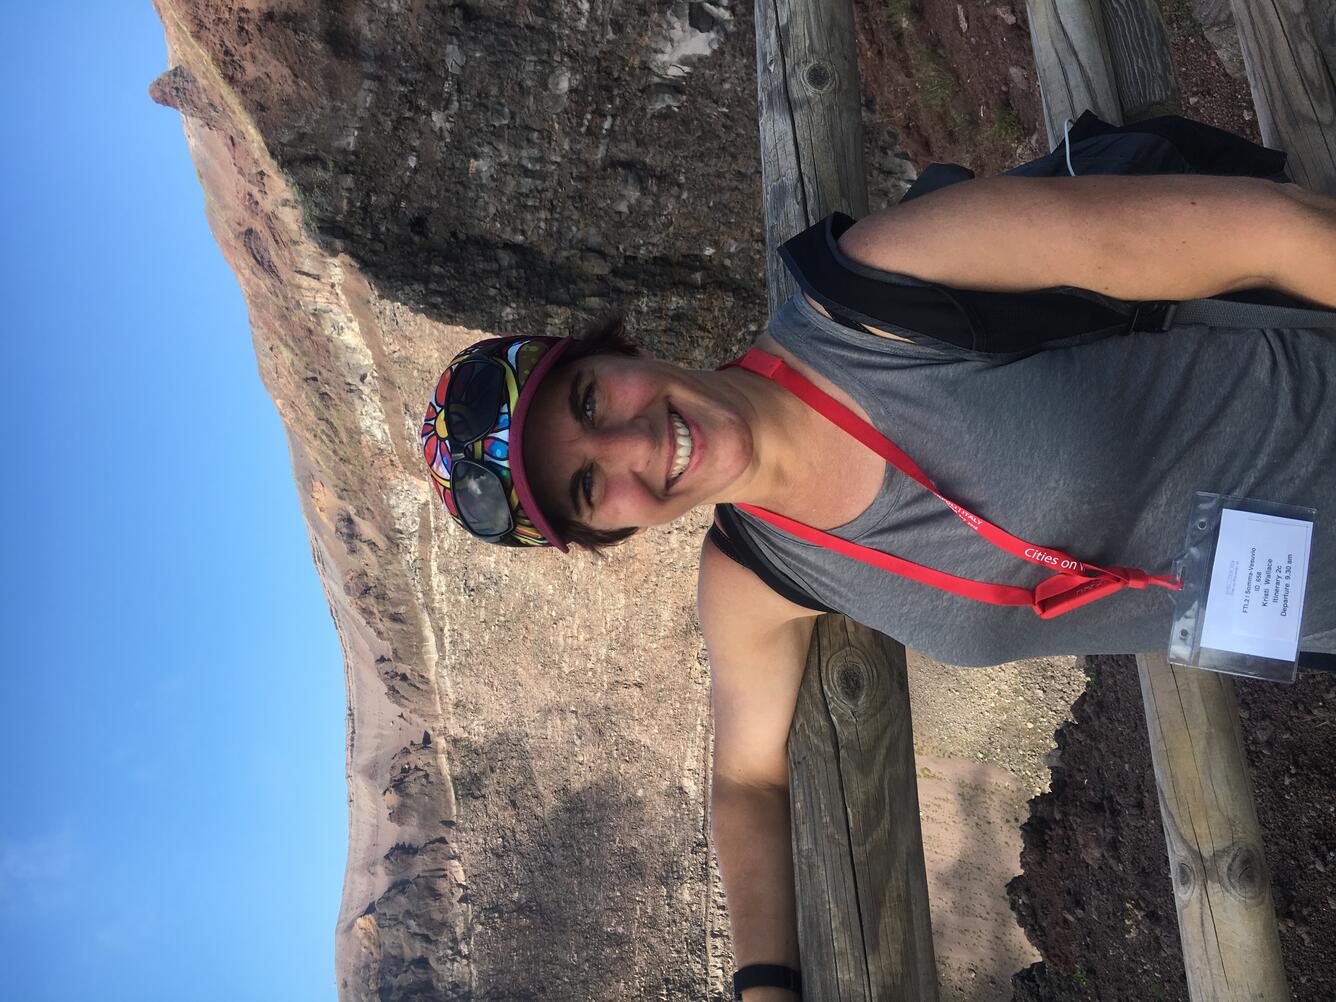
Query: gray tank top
point(1096, 450)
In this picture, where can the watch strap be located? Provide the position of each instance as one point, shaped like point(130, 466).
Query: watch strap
point(766, 976)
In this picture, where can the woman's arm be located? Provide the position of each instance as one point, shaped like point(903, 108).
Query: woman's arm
point(1133, 237)
point(1311, 277)
point(758, 644)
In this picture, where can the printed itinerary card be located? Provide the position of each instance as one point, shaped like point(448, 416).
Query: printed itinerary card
point(1257, 585)
point(1244, 570)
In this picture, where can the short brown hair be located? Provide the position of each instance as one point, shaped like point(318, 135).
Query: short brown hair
point(605, 336)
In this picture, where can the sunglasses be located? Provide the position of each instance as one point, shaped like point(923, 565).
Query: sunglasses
point(472, 401)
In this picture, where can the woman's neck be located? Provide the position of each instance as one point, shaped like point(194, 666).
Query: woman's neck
point(791, 444)
point(806, 466)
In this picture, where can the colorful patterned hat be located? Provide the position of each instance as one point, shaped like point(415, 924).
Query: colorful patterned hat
point(486, 391)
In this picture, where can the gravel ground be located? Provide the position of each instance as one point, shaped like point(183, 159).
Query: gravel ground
point(1003, 717)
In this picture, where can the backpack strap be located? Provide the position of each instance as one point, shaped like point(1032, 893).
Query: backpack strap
point(1008, 323)
point(728, 534)
point(936, 176)
point(1203, 148)
point(941, 316)
point(1263, 309)
point(1003, 323)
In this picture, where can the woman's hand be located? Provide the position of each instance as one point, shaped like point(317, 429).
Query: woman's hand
point(1133, 237)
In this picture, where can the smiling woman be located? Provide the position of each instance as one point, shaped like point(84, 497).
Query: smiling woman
point(999, 467)
point(541, 441)
point(571, 508)
point(620, 442)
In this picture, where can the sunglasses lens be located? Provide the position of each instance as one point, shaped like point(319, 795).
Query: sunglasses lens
point(481, 499)
point(473, 400)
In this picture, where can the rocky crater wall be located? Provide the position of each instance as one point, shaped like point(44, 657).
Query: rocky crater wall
point(505, 166)
point(528, 738)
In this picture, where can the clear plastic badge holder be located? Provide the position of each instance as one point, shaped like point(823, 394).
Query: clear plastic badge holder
point(1241, 602)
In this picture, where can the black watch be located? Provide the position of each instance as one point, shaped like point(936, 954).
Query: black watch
point(766, 976)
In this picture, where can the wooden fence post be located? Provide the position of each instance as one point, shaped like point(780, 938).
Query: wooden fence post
point(1292, 85)
point(1072, 61)
point(864, 928)
point(811, 123)
point(863, 919)
point(1231, 948)
point(1142, 64)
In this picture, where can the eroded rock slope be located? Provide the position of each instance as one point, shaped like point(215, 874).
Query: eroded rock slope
point(528, 734)
point(527, 738)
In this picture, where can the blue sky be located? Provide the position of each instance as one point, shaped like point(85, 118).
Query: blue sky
point(173, 821)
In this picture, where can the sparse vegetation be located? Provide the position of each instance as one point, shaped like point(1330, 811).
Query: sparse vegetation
point(902, 12)
point(934, 77)
point(1006, 127)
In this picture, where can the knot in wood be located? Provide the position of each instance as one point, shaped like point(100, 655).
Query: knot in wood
point(850, 681)
point(1185, 878)
point(851, 677)
point(819, 76)
point(1244, 872)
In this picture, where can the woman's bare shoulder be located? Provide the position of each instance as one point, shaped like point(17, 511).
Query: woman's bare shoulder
point(757, 642)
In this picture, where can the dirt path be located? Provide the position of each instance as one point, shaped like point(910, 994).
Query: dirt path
point(980, 737)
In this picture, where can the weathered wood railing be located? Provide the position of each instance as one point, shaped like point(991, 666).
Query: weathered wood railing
point(857, 842)
point(1289, 49)
point(1222, 892)
point(864, 928)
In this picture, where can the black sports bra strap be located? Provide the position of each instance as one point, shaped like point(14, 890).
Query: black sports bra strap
point(728, 534)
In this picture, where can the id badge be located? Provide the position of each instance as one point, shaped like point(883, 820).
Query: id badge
point(1244, 573)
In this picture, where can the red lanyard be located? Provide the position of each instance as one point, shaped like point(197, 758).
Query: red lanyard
point(1075, 584)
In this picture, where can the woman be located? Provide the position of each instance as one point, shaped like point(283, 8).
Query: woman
point(1092, 450)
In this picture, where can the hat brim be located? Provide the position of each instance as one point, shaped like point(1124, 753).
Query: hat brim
point(517, 420)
